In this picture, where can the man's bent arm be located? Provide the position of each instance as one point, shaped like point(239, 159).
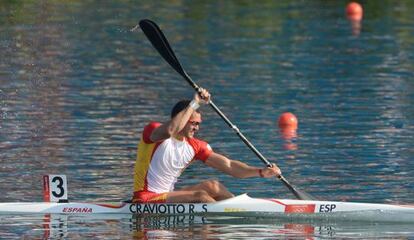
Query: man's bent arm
point(177, 123)
point(173, 126)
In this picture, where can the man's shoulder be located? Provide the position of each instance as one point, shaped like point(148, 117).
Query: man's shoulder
point(148, 129)
point(198, 143)
point(195, 140)
point(152, 124)
point(202, 148)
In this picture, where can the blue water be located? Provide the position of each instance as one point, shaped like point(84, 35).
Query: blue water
point(77, 87)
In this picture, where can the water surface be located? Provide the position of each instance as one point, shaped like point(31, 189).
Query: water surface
point(77, 87)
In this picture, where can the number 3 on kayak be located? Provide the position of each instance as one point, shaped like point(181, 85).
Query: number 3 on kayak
point(55, 188)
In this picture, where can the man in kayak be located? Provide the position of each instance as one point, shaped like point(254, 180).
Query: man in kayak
point(165, 150)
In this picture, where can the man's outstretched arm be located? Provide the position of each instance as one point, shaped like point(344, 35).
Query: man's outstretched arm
point(239, 169)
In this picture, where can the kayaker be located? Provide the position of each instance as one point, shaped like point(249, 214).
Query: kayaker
point(166, 149)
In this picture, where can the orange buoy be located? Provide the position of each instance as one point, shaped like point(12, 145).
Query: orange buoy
point(288, 120)
point(354, 11)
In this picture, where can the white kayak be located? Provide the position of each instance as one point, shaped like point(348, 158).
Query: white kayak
point(241, 205)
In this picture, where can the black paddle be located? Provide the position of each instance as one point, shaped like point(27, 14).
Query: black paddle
point(158, 40)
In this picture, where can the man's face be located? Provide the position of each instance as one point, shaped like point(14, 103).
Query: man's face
point(192, 126)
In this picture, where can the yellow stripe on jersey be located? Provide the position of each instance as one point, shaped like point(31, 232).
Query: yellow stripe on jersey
point(142, 163)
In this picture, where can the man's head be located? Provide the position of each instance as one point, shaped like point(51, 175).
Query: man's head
point(193, 123)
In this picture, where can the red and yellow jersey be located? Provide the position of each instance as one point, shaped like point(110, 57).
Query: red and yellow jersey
point(159, 164)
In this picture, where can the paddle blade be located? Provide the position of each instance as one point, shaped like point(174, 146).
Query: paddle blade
point(160, 42)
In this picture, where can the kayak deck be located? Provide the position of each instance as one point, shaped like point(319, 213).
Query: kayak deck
point(241, 205)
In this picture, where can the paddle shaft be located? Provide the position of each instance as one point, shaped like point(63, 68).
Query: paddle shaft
point(160, 43)
point(246, 141)
point(230, 124)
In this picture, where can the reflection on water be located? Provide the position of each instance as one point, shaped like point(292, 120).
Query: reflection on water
point(77, 87)
point(192, 227)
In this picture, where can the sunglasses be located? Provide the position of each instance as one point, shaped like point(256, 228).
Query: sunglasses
point(194, 123)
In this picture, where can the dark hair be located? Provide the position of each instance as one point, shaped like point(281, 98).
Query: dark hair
point(179, 106)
